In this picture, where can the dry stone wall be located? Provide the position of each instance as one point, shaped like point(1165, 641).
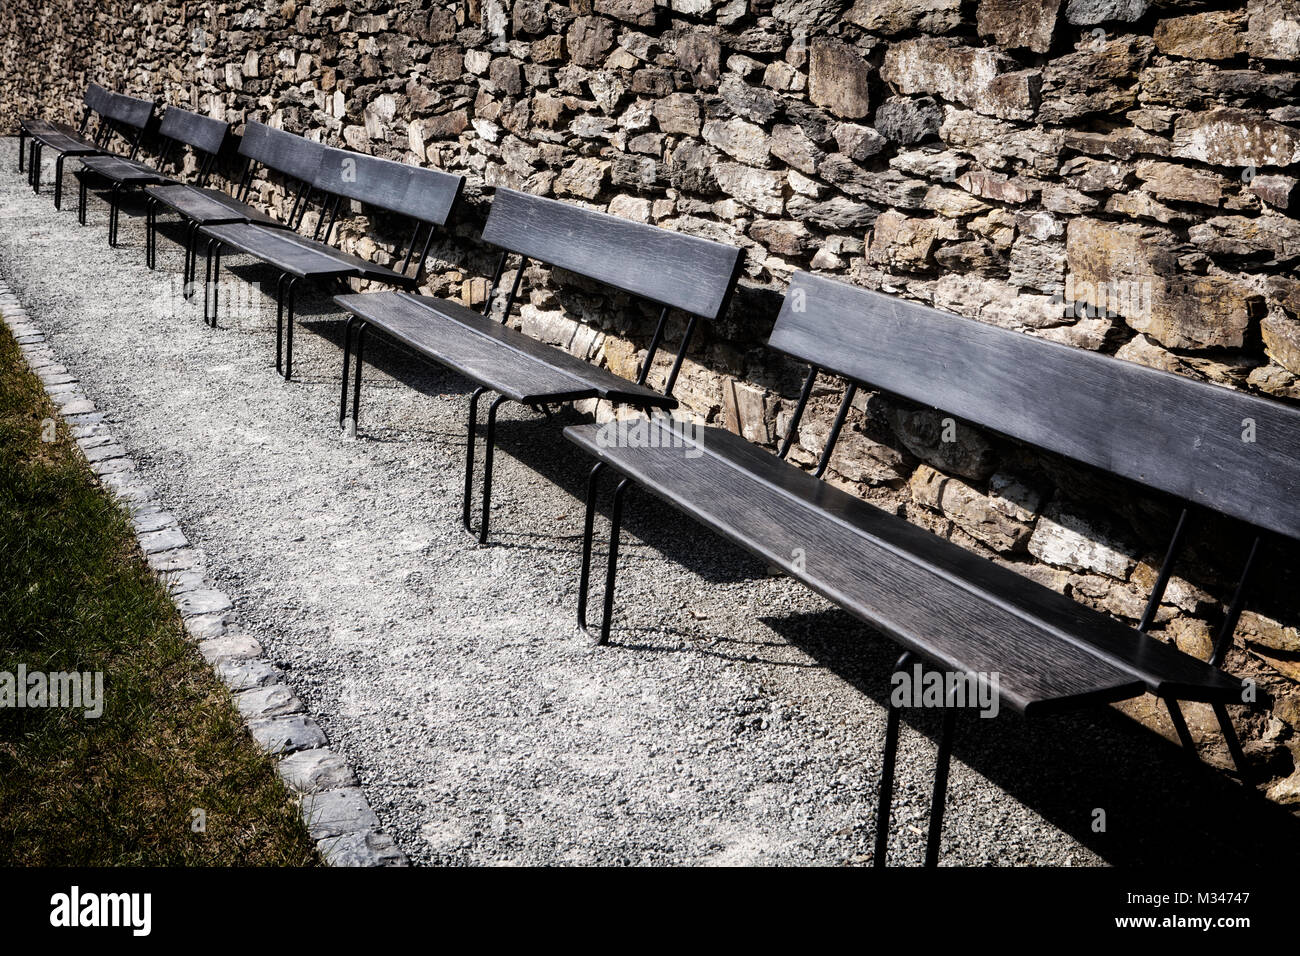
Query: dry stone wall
point(1116, 175)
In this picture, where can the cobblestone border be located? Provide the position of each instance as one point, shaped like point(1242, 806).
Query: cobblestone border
point(334, 808)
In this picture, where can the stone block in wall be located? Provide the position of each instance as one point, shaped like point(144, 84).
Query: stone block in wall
point(1123, 143)
point(952, 447)
point(1231, 137)
point(899, 16)
point(1099, 77)
point(1132, 271)
point(838, 78)
point(759, 189)
point(678, 113)
point(1269, 234)
point(1195, 85)
point(858, 143)
point(640, 12)
point(790, 144)
point(1089, 12)
point(1276, 190)
point(1066, 539)
point(908, 120)
point(744, 411)
point(1038, 265)
point(981, 78)
point(836, 214)
point(1281, 335)
point(1019, 23)
point(739, 139)
point(886, 187)
point(1174, 182)
point(996, 302)
point(699, 53)
point(1213, 35)
point(901, 242)
point(1273, 29)
point(589, 39)
point(998, 144)
point(982, 516)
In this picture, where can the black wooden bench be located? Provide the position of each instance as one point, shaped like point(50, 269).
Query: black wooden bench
point(179, 129)
point(947, 606)
point(294, 158)
point(92, 103)
point(424, 197)
point(666, 269)
point(124, 116)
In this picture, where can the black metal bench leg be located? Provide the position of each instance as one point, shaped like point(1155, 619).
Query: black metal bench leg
point(489, 448)
point(150, 205)
point(289, 288)
point(611, 566)
point(356, 382)
point(888, 761)
point(588, 540)
point(347, 356)
point(22, 135)
point(207, 280)
point(36, 170)
point(81, 201)
point(58, 181)
point(279, 322)
point(191, 266)
point(472, 434)
point(114, 196)
point(939, 800)
point(216, 279)
point(1230, 738)
point(1180, 727)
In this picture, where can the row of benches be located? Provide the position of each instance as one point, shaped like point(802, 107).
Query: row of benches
point(943, 605)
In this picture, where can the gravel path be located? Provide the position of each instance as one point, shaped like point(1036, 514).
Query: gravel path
point(736, 719)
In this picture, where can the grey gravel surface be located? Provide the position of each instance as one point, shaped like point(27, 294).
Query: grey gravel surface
point(736, 719)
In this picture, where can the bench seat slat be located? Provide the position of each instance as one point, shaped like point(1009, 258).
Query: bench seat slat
point(64, 143)
point(298, 255)
point(119, 169)
point(491, 354)
point(208, 206)
point(37, 126)
point(945, 623)
point(463, 350)
point(1162, 669)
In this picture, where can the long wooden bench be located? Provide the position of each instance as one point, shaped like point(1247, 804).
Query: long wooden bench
point(295, 159)
point(117, 115)
point(946, 606)
point(667, 269)
point(92, 102)
point(424, 197)
point(179, 129)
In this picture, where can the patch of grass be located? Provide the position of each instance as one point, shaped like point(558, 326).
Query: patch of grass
point(76, 595)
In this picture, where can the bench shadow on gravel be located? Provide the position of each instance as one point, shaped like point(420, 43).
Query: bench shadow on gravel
point(1161, 808)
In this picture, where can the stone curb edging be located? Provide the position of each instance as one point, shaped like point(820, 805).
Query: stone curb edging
point(334, 808)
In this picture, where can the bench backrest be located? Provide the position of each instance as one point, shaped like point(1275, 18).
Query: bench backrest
point(1228, 451)
point(667, 268)
point(131, 112)
point(423, 194)
point(203, 133)
point(96, 98)
point(284, 152)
